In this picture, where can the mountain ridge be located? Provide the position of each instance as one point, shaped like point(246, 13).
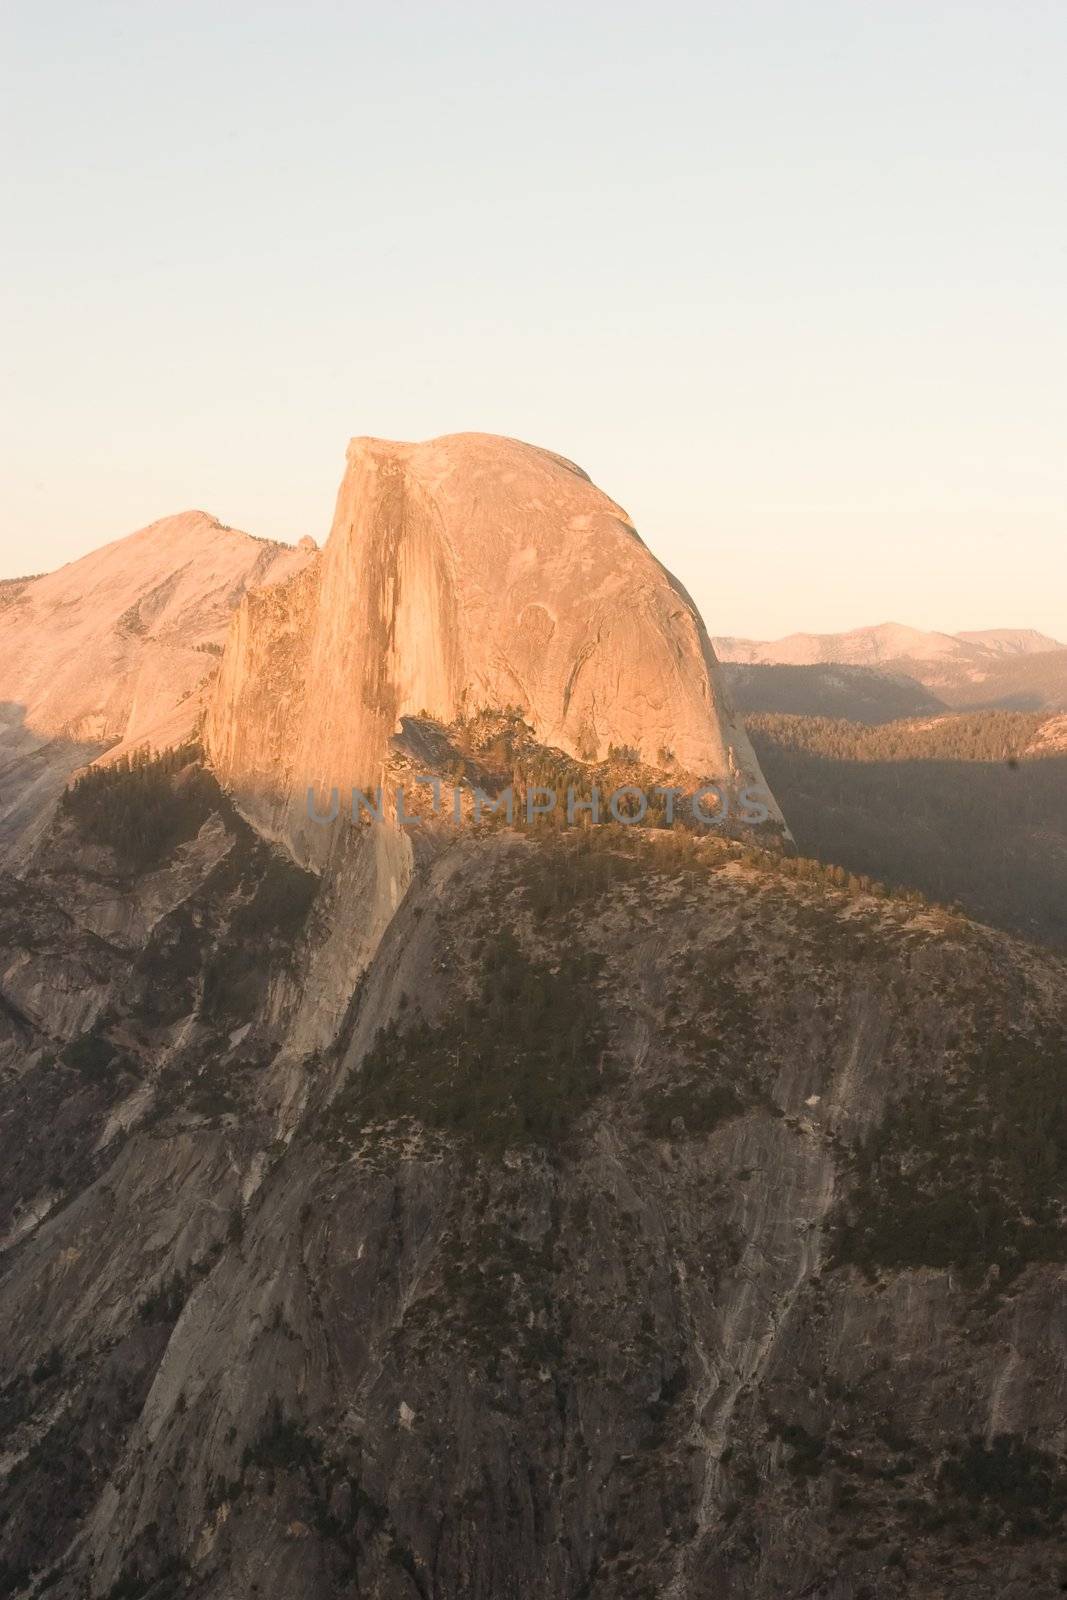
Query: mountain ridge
point(873, 673)
point(882, 643)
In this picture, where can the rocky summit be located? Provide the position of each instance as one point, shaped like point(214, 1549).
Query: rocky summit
point(465, 572)
point(114, 651)
point(484, 1209)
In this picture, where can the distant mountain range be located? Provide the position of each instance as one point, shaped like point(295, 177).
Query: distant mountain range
point(879, 673)
point(886, 643)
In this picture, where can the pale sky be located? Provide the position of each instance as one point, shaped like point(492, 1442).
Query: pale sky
point(787, 279)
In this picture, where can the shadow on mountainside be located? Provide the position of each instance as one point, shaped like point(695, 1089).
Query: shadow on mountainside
point(990, 836)
point(860, 694)
point(34, 771)
point(894, 689)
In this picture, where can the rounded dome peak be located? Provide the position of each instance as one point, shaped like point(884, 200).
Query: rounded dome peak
point(489, 450)
point(471, 571)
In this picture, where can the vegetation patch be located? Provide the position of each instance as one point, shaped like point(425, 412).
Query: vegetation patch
point(282, 1443)
point(86, 1419)
point(1006, 1489)
point(952, 805)
point(267, 923)
point(561, 873)
point(969, 1169)
point(327, 1489)
point(806, 1450)
point(693, 1107)
point(166, 1302)
point(280, 905)
point(515, 1065)
point(96, 1059)
point(961, 736)
point(143, 806)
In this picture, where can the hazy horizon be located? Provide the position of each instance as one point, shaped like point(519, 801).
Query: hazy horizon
point(995, 620)
point(787, 282)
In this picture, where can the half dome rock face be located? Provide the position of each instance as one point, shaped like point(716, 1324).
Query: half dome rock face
point(467, 572)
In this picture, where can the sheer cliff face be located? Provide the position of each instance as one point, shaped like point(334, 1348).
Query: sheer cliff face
point(469, 571)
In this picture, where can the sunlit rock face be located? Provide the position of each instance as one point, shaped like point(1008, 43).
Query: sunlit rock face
point(115, 650)
point(465, 572)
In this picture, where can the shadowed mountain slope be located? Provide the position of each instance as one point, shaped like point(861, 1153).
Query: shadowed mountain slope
point(966, 806)
point(1011, 669)
point(861, 694)
point(656, 1221)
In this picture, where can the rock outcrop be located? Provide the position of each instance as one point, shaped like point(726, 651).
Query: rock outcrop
point(466, 572)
